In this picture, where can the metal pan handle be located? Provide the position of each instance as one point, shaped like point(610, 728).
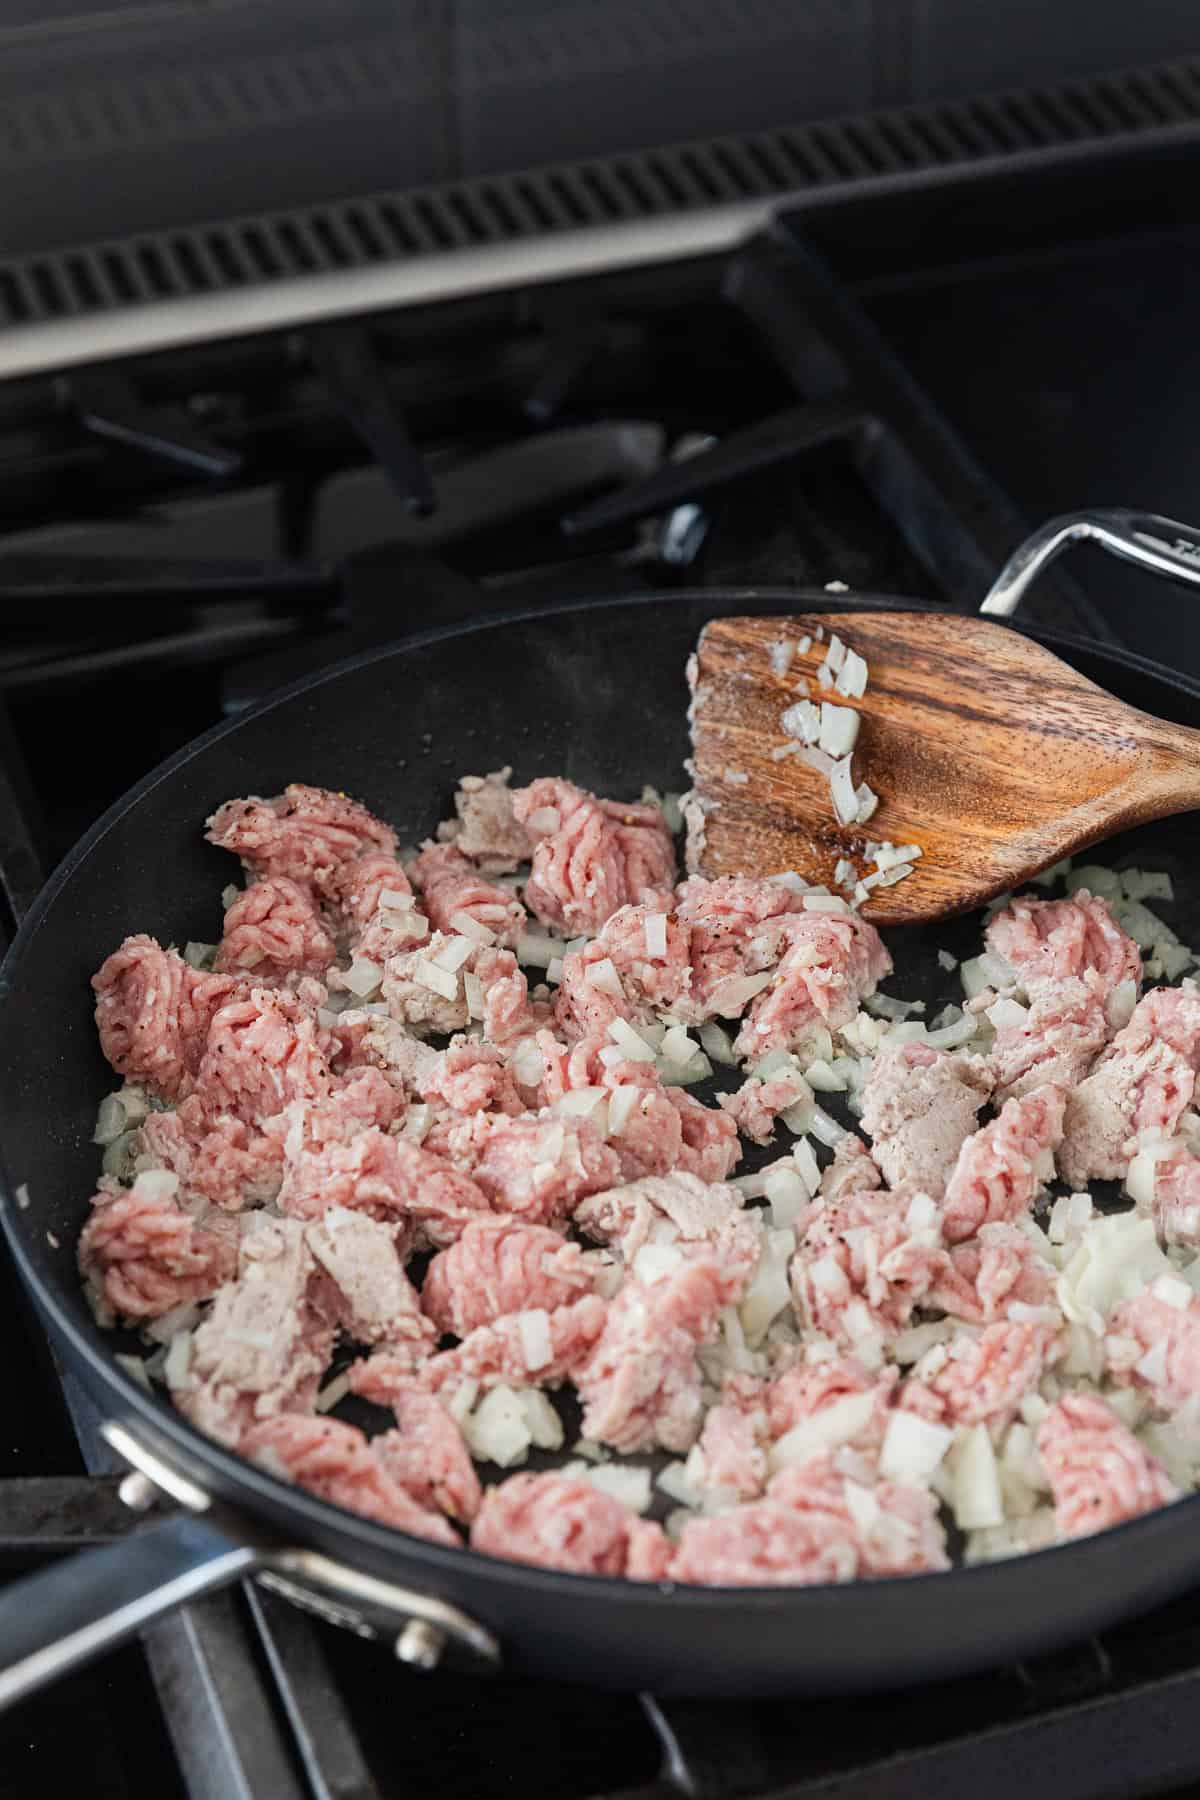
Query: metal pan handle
point(1161, 545)
point(52, 1622)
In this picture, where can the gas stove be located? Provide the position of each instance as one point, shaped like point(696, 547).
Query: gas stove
point(189, 529)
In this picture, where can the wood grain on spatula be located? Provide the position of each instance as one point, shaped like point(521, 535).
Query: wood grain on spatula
point(984, 748)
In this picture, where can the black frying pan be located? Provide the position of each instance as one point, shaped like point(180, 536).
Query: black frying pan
point(597, 693)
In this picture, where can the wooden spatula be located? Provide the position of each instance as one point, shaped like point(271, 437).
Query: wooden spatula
point(984, 749)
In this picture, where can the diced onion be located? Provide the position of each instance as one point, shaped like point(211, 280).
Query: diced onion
point(634, 1047)
point(823, 1079)
point(912, 1447)
point(976, 1494)
point(363, 977)
point(536, 951)
point(469, 927)
point(439, 981)
point(603, 975)
point(622, 1104)
point(828, 903)
point(839, 729)
point(578, 1103)
point(734, 994)
point(852, 678)
point(110, 1120)
point(655, 930)
point(717, 1043)
point(453, 953)
point(825, 1129)
point(841, 788)
point(533, 1328)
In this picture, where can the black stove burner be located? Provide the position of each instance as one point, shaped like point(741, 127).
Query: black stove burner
point(181, 540)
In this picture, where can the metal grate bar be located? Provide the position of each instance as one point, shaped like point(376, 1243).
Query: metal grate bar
point(229, 278)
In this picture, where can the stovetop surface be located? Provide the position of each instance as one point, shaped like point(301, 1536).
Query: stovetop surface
point(676, 419)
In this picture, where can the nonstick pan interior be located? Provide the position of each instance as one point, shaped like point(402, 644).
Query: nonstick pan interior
point(599, 695)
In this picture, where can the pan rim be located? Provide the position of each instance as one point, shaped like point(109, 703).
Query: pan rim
point(253, 1486)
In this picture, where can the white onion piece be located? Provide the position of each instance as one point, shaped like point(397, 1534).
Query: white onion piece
point(603, 976)
point(468, 926)
point(717, 1043)
point(634, 1047)
point(655, 930)
point(841, 788)
point(839, 729)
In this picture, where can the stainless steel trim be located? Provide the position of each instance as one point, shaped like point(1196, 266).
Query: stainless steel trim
point(344, 1596)
point(160, 1474)
point(237, 312)
point(1152, 542)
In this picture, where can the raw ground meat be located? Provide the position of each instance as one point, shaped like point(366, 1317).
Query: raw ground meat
point(264, 1050)
point(273, 930)
point(1138, 1090)
point(641, 1384)
point(864, 1262)
point(756, 1105)
point(337, 1462)
point(1099, 1474)
point(316, 1143)
point(500, 1352)
point(804, 1533)
point(696, 1211)
point(144, 1255)
point(499, 1266)
point(367, 1291)
point(1003, 1168)
point(986, 1384)
point(536, 1167)
point(852, 1171)
point(735, 926)
point(449, 884)
point(486, 829)
point(730, 1453)
point(599, 855)
point(998, 1268)
point(230, 1164)
point(390, 1178)
point(1175, 1207)
point(651, 983)
point(376, 932)
point(1047, 941)
point(1063, 1032)
point(153, 1013)
point(426, 1453)
point(305, 833)
point(1153, 1342)
point(470, 1077)
point(919, 1105)
point(556, 1521)
point(830, 963)
point(265, 1345)
point(710, 1147)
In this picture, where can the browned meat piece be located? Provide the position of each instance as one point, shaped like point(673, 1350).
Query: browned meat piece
point(919, 1106)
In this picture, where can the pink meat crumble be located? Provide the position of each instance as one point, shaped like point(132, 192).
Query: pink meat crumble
point(153, 1013)
point(273, 930)
point(450, 884)
point(919, 1105)
point(499, 1266)
point(1048, 941)
point(337, 1462)
point(306, 834)
point(144, 1255)
point(1098, 1472)
point(591, 856)
point(1002, 1169)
